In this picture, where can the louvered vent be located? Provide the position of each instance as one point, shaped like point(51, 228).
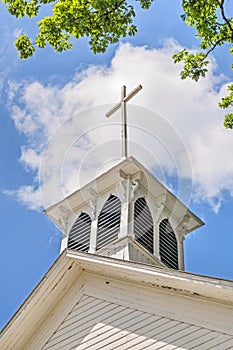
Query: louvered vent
point(79, 236)
point(168, 245)
point(143, 224)
point(109, 222)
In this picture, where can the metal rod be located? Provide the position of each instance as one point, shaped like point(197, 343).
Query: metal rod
point(132, 93)
point(113, 110)
point(122, 105)
point(123, 122)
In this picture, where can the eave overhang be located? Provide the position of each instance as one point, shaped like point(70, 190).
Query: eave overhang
point(71, 265)
point(130, 167)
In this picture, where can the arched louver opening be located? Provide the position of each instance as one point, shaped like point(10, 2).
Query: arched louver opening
point(168, 245)
point(109, 222)
point(143, 224)
point(79, 236)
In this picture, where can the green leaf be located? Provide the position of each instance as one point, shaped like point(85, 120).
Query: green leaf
point(105, 22)
point(24, 46)
point(228, 121)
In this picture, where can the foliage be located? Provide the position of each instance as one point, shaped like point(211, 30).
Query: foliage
point(104, 22)
point(213, 28)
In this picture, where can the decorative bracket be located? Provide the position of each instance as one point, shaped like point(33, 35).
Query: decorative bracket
point(160, 204)
point(129, 185)
point(93, 203)
point(64, 217)
point(135, 184)
point(182, 227)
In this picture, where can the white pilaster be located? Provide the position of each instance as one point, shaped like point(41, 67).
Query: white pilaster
point(93, 238)
point(180, 232)
point(94, 220)
point(180, 244)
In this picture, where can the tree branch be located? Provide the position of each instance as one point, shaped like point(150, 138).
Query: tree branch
point(218, 42)
point(221, 5)
point(117, 5)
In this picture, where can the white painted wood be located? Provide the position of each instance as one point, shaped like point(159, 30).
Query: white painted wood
point(88, 302)
point(64, 244)
point(108, 334)
point(18, 336)
point(200, 338)
point(104, 326)
point(227, 345)
point(216, 341)
point(152, 344)
point(168, 347)
point(93, 236)
point(168, 304)
point(54, 316)
point(151, 331)
point(162, 203)
point(170, 339)
point(180, 247)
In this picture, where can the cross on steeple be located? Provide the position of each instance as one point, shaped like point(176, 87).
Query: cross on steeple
point(122, 105)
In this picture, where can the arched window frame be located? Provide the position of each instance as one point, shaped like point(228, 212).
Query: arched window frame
point(171, 258)
point(149, 237)
point(85, 231)
point(105, 233)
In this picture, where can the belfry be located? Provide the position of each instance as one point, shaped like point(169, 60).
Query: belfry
point(119, 281)
point(126, 213)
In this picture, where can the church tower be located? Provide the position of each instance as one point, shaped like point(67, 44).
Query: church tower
point(118, 282)
point(126, 213)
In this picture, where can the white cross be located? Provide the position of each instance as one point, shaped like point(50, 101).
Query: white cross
point(122, 105)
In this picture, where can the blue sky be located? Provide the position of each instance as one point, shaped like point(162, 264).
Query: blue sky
point(42, 101)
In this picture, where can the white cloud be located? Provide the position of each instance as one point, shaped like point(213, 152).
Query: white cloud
point(49, 115)
point(30, 159)
point(7, 49)
point(29, 195)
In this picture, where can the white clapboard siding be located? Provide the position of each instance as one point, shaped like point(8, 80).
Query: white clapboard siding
point(95, 324)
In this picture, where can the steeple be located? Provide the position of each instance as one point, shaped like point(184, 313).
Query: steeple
point(126, 213)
